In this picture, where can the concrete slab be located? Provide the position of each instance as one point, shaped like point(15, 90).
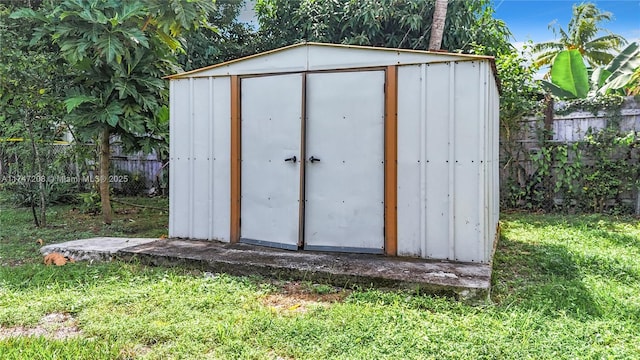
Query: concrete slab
point(466, 281)
point(98, 248)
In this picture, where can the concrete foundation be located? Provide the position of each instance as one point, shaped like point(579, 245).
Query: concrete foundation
point(466, 281)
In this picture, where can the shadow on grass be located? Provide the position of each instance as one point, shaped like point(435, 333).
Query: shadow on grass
point(617, 239)
point(76, 275)
point(541, 277)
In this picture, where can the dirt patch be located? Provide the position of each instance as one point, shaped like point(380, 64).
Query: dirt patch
point(295, 296)
point(13, 263)
point(53, 326)
point(273, 355)
point(127, 211)
point(135, 351)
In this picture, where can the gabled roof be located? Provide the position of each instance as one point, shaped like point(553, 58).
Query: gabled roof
point(309, 56)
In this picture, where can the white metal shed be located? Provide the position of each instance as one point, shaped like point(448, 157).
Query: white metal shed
point(339, 148)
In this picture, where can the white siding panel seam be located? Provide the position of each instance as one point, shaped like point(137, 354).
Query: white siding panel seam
point(495, 121)
point(482, 162)
point(192, 178)
point(211, 181)
point(489, 170)
point(485, 215)
point(451, 159)
point(496, 156)
point(423, 161)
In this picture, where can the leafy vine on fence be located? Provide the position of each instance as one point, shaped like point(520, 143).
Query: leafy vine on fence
point(599, 173)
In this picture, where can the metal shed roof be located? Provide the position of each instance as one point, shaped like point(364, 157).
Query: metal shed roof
point(309, 56)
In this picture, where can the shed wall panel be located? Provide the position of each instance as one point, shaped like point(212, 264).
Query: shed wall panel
point(200, 193)
point(410, 203)
point(493, 165)
point(468, 118)
point(201, 118)
point(200, 152)
point(220, 174)
point(447, 118)
point(180, 182)
point(172, 199)
point(201, 189)
point(438, 196)
point(182, 117)
point(485, 173)
point(410, 160)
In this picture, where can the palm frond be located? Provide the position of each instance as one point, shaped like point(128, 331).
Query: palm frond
point(609, 41)
point(547, 46)
point(545, 58)
point(597, 57)
point(582, 34)
point(564, 37)
point(634, 83)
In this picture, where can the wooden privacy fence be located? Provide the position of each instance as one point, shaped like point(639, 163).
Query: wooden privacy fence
point(145, 172)
point(574, 126)
point(132, 174)
point(570, 130)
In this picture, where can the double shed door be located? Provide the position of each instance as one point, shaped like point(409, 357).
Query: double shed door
point(312, 170)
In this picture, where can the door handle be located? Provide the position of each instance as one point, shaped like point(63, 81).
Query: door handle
point(292, 159)
point(313, 159)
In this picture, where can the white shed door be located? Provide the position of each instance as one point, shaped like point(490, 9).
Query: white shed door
point(271, 108)
point(344, 200)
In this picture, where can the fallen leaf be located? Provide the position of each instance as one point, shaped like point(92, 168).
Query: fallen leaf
point(163, 236)
point(40, 242)
point(57, 259)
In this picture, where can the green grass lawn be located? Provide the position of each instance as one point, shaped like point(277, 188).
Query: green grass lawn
point(564, 287)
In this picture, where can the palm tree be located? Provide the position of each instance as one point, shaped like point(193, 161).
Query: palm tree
point(437, 26)
point(582, 29)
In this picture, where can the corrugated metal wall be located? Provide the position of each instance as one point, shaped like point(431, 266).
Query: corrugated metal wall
point(447, 160)
point(200, 154)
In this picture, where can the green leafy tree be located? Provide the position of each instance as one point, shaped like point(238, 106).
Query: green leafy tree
point(31, 113)
point(119, 51)
point(230, 39)
point(582, 35)
point(388, 23)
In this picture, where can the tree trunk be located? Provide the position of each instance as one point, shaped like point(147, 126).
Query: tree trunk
point(437, 26)
point(33, 206)
point(40, 178)
point(105, 157)
point(548, 117)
